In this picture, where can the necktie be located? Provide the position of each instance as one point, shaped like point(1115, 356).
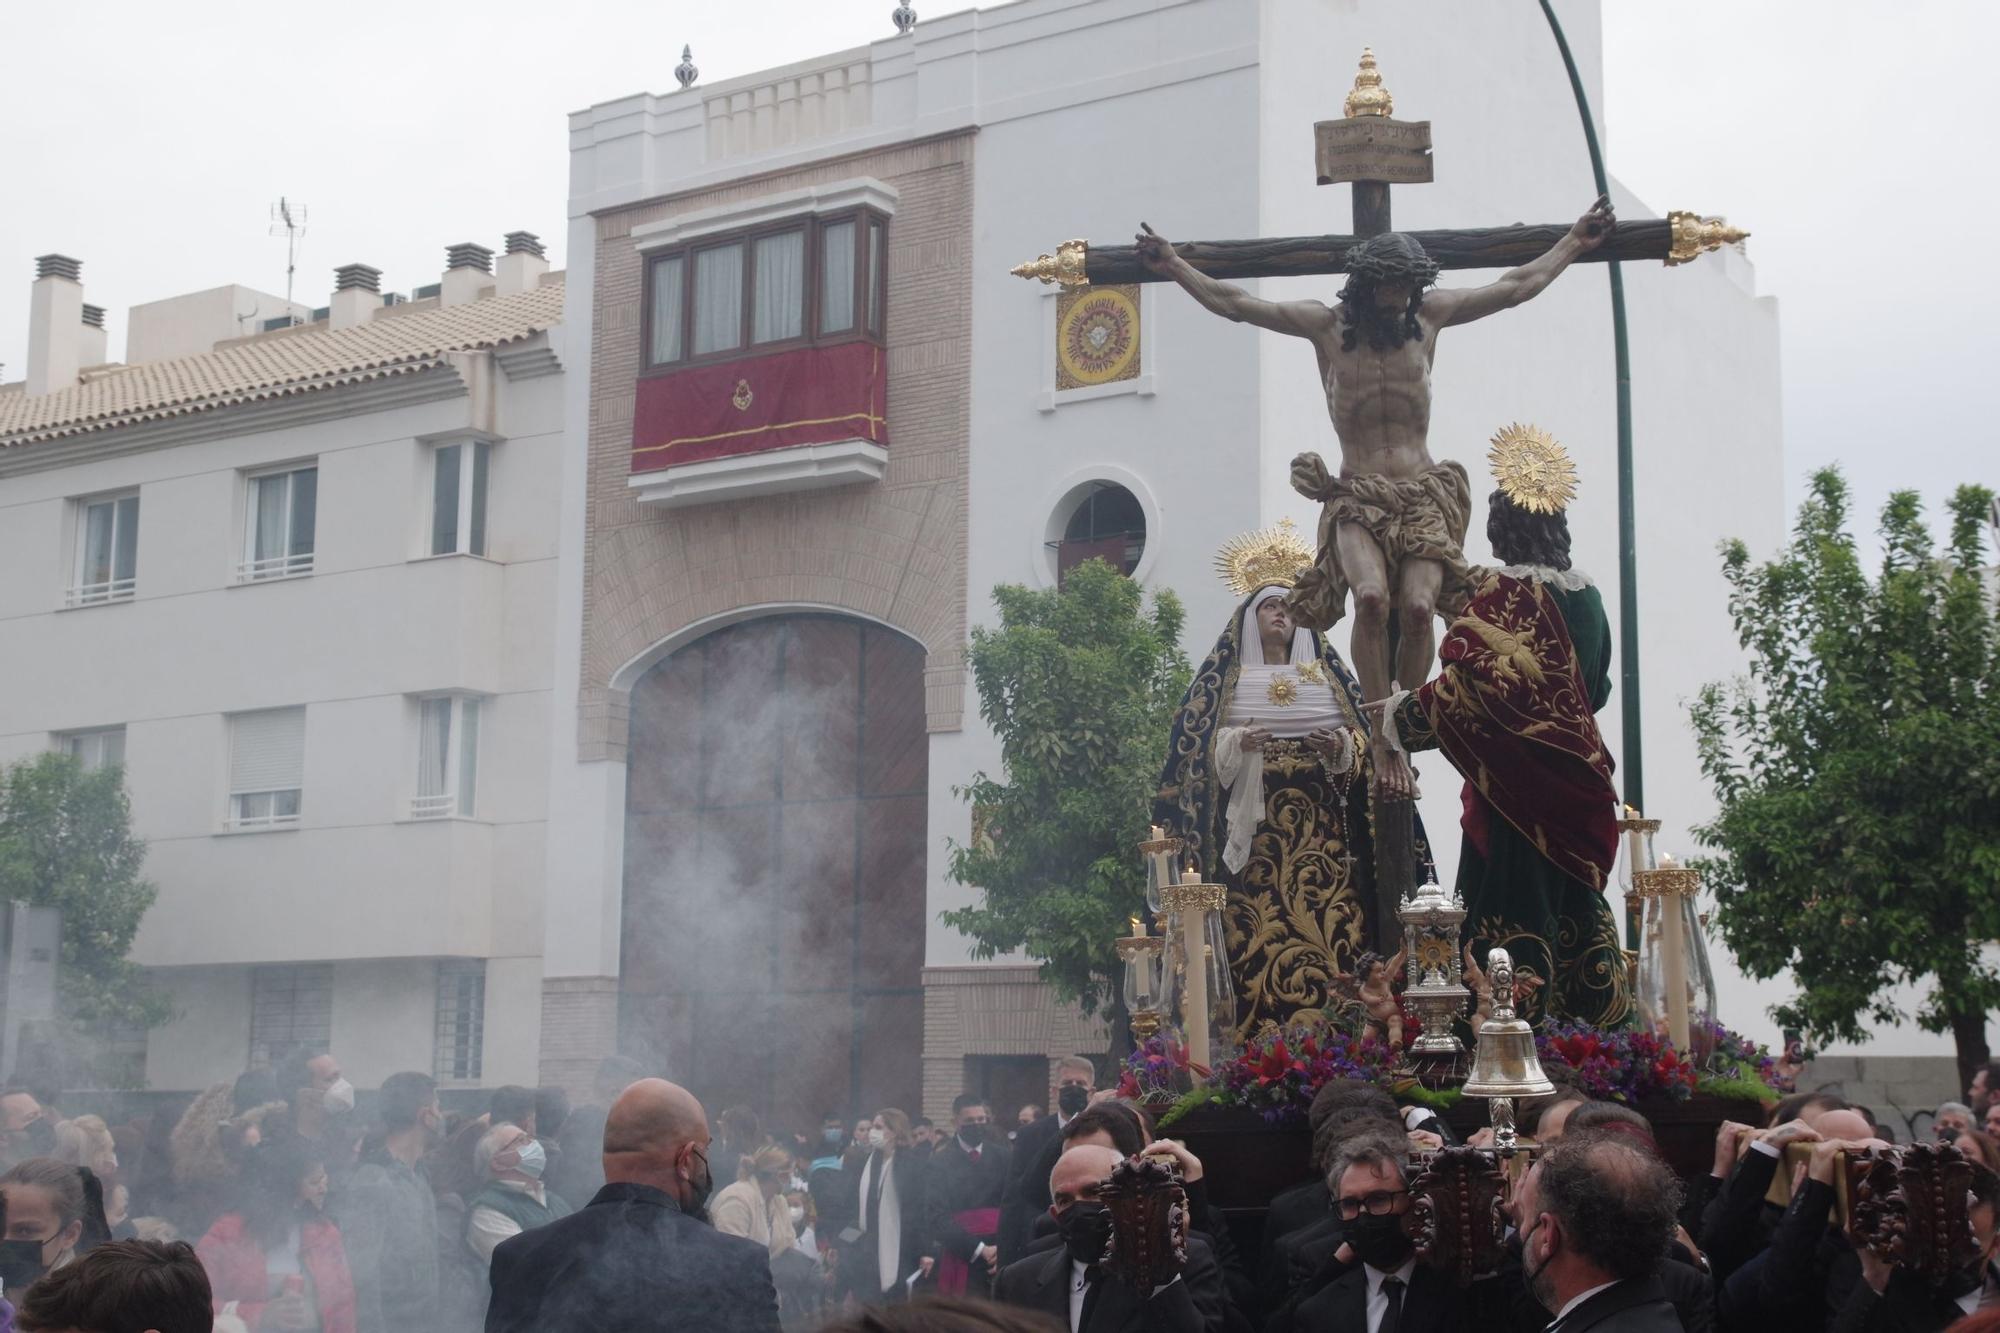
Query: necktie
point(1392, 1317)
point(1093, 1284)
point(975, 1154)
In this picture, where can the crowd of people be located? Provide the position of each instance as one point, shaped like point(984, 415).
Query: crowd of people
point(270, 1205)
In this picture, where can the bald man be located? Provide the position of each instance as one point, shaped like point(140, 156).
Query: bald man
point(1064, 1280)
point(642, 1254)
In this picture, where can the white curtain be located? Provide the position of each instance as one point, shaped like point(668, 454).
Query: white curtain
point(836, 290)
point(268, 509)
point(433, 746)
point(781, 287)
point(667, 280)
point(96, 562)
point(718, 296)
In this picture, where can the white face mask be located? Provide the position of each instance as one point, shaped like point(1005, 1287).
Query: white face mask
point(798, 1216)
point(534, 1160)
point(878, 1138)
point(339, 1097)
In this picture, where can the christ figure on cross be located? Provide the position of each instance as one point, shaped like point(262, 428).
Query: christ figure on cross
point(1394, 519)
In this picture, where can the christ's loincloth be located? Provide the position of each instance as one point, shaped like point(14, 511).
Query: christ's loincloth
point(1411, 518)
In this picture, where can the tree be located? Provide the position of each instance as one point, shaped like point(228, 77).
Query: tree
point(1857, 768)
point(1080, 685)
point(66, 842)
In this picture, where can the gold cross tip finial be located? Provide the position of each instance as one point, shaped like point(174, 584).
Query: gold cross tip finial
point(1532, 469)
point(1369, 97)
point(1269, 557)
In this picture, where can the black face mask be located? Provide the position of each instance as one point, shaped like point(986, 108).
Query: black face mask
point(41, 1137)
point(972, 1135)
point(1378, 1242)
point(699, 1188)
point(20, 1264)
point(1072, 1098)
point(1086, 1232)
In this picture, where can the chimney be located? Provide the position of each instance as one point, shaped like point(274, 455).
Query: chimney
point(521, 268)
point(92, 348)
point(55, 324)
point(467, 269)
point(357, 295)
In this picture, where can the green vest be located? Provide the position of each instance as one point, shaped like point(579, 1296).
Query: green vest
point(518, 1206)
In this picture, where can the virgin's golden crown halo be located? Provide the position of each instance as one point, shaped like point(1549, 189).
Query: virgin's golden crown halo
point(1270, 556)
point(1532, 469)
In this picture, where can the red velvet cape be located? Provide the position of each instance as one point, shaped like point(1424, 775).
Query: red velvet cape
point(1511, 712)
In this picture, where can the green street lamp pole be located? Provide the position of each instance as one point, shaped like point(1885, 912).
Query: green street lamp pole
point(1631, 752)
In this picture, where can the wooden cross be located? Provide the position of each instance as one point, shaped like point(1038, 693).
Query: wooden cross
point(1371, 151)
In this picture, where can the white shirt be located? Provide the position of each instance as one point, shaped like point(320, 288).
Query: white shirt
point(1579, 1299)
point(1378, 1299)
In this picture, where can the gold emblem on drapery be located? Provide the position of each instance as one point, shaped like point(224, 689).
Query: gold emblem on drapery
point(742, 398)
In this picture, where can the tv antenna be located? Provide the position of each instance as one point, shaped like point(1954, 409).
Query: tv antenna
point(289, 218)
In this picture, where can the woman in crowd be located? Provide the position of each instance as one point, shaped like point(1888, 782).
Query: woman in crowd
point(277, 1262)
point(86, 1141)
point(46, 1204)
point(754, 1207)
point(888, 1199)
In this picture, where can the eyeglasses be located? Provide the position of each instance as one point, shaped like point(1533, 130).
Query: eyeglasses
point(1378, 1204)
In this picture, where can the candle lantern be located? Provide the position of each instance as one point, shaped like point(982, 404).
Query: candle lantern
point(1148, 987)
point(1158, 853)
point(1635, 857)
point(1196, 928)
point(1505, 1064)
point(1436, 988)
point(1676, 985)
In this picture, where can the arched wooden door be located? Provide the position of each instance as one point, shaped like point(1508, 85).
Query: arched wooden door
point(773, 918)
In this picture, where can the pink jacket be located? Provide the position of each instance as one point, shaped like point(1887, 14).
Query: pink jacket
point(235, 1262)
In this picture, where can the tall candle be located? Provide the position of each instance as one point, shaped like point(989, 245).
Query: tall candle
point(1194, 1004)
point(1673, 944)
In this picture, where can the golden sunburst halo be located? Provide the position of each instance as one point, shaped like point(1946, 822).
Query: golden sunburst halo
point(1269, 557)
point(1532, 469)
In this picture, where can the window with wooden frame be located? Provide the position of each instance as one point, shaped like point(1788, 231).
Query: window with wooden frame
point(800, 282)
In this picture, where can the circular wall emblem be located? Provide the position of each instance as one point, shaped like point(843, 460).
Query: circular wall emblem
point(1097, 337)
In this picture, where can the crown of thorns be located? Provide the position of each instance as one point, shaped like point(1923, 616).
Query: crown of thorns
point(1391, 257)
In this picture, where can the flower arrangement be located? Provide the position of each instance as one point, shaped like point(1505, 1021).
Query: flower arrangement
point(1278, 1074)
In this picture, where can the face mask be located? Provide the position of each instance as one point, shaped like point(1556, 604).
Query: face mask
point(1545, 1293)
point(699, 1188)
point(41, 1137)
point(534, 1160)
point(339, 1097)
point(878, 1138)
point(798, 1217)
point(830, 1137)
point(20, 1264)
point(1378, 1242)
point(1086, 1232)
point(1071, 1098)
point(973, 1135)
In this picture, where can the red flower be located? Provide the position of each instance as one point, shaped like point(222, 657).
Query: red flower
point(1272, 1065)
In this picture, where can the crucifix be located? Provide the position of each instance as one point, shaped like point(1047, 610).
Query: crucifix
point(1393, 519)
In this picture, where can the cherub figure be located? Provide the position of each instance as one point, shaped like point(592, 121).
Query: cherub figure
point(1377, 993)
point(1525, 983)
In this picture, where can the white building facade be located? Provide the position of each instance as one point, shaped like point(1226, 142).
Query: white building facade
point(301, 584)
point(984, 138)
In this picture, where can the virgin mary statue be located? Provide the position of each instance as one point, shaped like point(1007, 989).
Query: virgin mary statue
point(1266, 784)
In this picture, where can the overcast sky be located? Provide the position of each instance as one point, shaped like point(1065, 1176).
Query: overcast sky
point(150, 141)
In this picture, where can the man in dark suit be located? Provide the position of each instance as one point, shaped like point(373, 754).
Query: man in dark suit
point(1026, 1194)
point(641, 1255)
point(1599, 1275)
point(968, 1174)
point(1065, 1281)
point(1380, 1287)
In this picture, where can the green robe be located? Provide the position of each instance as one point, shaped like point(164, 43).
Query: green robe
point(1559, 930)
